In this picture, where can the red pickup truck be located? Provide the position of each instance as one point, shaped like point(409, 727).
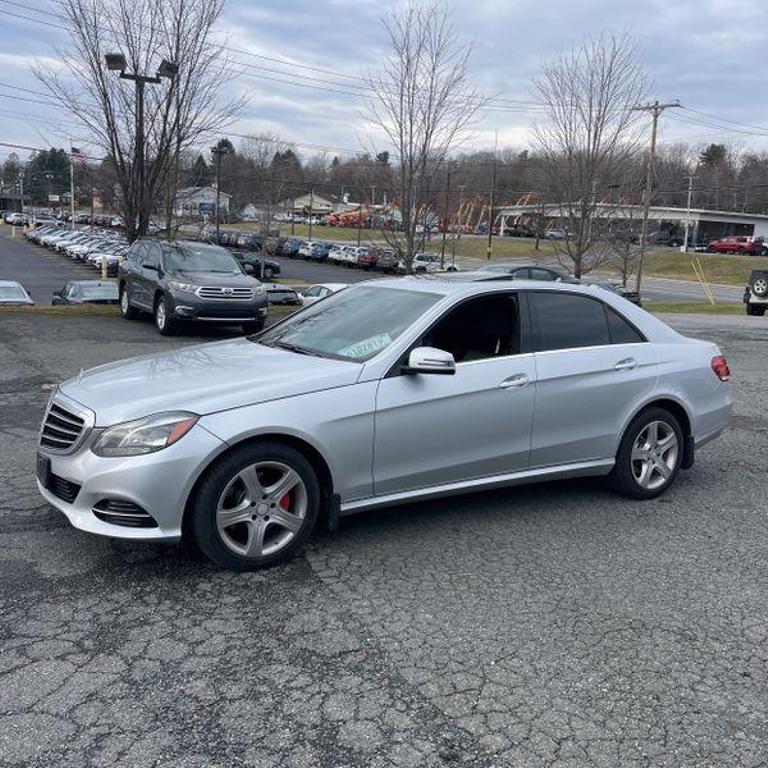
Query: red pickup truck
point(739, 244)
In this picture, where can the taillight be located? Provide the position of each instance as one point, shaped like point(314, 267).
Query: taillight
point(721, 369)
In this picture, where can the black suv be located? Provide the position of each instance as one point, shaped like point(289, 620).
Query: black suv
point(756, 293)
point(185, 280)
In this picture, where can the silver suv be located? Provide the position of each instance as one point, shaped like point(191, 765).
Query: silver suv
point(383, 393)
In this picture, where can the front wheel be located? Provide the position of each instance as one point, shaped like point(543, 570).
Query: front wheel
point(257, 507)
point(163, 320)
point(649, 455)
point(254, 327)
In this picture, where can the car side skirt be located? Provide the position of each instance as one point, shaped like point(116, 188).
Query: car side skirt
point(564, 471)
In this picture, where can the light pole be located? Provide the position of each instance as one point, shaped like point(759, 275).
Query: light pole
point(117, 63)
point(218, 151)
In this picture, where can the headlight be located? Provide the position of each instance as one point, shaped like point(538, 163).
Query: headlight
point(259, 288)
point(147, 435)
point(175, 285)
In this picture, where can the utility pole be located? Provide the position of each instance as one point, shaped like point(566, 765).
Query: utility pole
point(311, 204)
point(217, 152)
point(117, 62)
point(71, 187)
point(684, 249)
point(359, 216)
point(293, 220)
point(489, 252)
point(445, 219)
point(457, 235)
point(655, 109)
point(21, 189)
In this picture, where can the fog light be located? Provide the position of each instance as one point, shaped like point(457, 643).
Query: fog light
point(183, 310)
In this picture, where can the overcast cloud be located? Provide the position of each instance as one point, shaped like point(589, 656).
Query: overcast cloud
point(711, 54)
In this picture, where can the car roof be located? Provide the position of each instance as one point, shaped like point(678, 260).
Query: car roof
point(452, 286)
point(329, 285)
point(14, 283)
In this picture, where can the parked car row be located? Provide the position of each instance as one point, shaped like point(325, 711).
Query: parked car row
point(90, 245)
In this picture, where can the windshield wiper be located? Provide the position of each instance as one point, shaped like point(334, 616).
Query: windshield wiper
point(297, 348)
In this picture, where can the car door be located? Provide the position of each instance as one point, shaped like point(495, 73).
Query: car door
point(593, 369)
point(146, 275)
point(435, 429)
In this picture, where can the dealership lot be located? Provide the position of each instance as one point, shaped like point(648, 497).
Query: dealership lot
point(551, 624)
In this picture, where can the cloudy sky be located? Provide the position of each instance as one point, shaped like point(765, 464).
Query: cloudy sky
point(302, 62)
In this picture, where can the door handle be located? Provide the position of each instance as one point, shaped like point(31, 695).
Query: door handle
point(627, 364)
point(518, 381)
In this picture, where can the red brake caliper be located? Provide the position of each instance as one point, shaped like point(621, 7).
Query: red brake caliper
point(285, 502)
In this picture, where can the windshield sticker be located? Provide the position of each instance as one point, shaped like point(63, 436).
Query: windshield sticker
point(367, 347)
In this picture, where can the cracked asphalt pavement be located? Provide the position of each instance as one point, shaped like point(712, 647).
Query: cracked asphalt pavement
point(553, 625)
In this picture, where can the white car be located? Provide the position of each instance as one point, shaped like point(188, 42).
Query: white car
point(319, 291)
point(13, 293)
point(422, 262)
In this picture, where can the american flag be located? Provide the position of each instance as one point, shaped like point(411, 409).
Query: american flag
point(78, 154)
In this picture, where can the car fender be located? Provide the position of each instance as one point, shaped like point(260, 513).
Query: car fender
point(337, 424)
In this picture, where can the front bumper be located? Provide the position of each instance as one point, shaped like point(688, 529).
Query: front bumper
point(750, 298)
point(158, 483)
point(188, 306)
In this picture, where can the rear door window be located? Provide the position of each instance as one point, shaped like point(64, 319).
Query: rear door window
point(568, 321)
point(621, 330)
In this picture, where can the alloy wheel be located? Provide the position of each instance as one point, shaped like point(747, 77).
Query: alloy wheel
point(654, 455)
point(160, 316)
point(124, 305)
point(760, 286)
point(261, 509)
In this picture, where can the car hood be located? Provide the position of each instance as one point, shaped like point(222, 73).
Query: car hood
point(203, 379)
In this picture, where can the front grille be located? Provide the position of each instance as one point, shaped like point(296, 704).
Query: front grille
point(125, 513)
point(61, 429)
point(63, 489)
point(225, 293)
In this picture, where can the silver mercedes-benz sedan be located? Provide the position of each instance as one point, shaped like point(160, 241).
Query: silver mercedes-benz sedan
point(384, 393)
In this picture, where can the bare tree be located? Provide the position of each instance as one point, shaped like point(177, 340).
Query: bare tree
point(180, 111)
point(424, 103)
point(589, 136)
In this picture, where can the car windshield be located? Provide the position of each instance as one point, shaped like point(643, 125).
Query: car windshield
point(12, 293)
point(97, 290)
point(354, 324)
point(188, 257)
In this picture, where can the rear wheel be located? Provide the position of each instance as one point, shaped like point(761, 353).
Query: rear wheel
point(126, 310)
point(257, 507)
point(253, 327)
point(649, 455)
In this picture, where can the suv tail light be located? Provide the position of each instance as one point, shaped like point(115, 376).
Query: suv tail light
point(721, 369)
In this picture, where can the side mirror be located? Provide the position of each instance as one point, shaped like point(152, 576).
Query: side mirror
point(249, 270)
point(431, 360)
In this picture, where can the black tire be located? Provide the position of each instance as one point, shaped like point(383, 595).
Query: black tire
point(126, 310)
point(622, 477)
point(254, 327)
point(750, 309)
point(756, 310)
point(164, 323)
point(202, 522)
